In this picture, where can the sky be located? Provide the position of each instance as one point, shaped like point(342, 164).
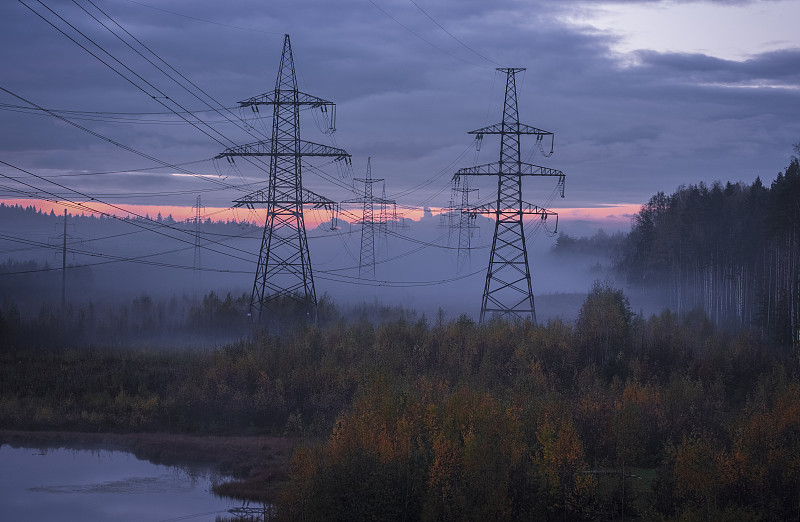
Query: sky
point(643, 96)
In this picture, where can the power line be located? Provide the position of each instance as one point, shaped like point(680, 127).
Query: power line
point(401, 24)
point(392, 284)
point(110, 117)
point(31, 109)
point(117, 207)
point(114, 142)
point(142, 259)
point(160, 59)
point(330, 275)
point(125, 171)
point(452, 35)
point(432, 179)
point(202, 19)
point(158, 95)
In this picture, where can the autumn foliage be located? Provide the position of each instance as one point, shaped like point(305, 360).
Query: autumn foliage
point(618, 415)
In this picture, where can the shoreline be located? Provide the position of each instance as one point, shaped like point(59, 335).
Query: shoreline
point(259, 465)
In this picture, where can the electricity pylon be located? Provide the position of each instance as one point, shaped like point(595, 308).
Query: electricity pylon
point(508, 290)
point(383, 221)
point(284, 264)
point(466, 224)
point(447, 215)
point(198, 207)
point(366, 262)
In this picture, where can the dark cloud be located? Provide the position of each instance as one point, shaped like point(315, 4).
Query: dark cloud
point(624, 130)
point(777, 67)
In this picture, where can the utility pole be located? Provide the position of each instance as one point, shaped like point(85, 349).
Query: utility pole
point(284, 264)
point(62, 239)
point(64, 266)
point(508, 290)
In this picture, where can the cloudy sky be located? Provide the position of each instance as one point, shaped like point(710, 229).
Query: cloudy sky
point(642, 96)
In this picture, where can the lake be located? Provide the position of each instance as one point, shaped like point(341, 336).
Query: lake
point(103, 484)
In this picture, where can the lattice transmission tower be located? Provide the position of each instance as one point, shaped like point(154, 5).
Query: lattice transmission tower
point(198, 208)
point(384, 220)
point(466, 223)
point(508, 290)
point(366, 263)
point(284, 264)
point(447, 216)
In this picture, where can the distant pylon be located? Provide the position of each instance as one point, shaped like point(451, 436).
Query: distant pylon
point(383, 223)
point(366, 262)
point(466, 224)
point(400, 221)
point(396, 224)
point(508, 289)
point(447, 216)
point(197, 219)
point(284, 264)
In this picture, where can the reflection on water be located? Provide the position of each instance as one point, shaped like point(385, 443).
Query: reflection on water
point(133, 485)
point(81, 485)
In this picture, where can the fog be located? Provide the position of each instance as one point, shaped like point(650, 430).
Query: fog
point(119, 263)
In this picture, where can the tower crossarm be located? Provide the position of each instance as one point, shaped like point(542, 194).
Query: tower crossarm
point(294, 98)
point(261, 197)
point(286, 97)
point(511, 128)
point(266, 148)
point(526, 209)
point(312, 198)
point(362, 200)
point(496, 169)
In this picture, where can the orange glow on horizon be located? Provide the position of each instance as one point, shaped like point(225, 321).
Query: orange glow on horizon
point(613, 213)
point(616, 213)
point(178, 213)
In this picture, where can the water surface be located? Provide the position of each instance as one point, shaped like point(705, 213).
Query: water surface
point(98, 485)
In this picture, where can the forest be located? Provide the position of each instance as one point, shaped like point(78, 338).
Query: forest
point(689, 414)
point(732, 250)
point(616, 415)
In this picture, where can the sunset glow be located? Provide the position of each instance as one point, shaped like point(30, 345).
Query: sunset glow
point(615, 215)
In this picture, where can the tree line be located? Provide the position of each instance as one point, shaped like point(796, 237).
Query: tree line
point(732, 250)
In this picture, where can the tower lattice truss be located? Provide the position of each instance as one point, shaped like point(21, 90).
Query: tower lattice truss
point(284, 264)
point(366, 264)
point(508, 290)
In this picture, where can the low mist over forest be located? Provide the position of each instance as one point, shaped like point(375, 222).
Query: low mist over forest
point(110, 262)
point(728, 249)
